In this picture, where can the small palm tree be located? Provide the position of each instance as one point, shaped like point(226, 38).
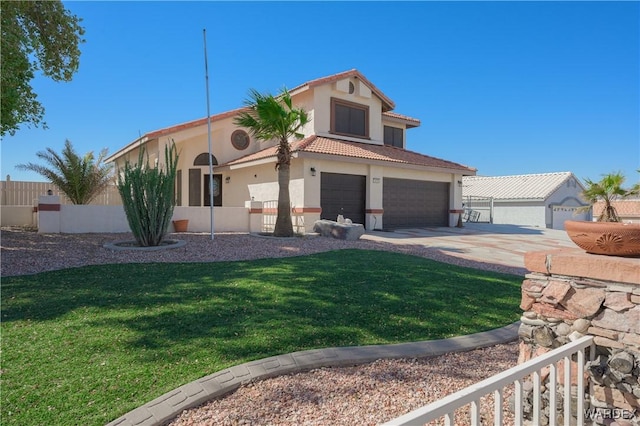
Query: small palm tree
point(267, 118)
point(607, 190)
point(81, 179)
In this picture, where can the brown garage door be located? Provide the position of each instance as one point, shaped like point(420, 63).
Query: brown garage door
point(342, 194)
point(414, 203)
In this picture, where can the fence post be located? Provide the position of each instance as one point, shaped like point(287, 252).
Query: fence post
point(49, 214)
point(255, 215)
point(491, 210)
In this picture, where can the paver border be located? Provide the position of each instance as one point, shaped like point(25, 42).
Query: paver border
point(163, 409)
point(169, 245)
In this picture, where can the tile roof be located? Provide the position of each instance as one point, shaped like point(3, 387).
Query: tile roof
point(194, 123)
point(411, 122)
point(624, 208)
point(517, 187)
point(328, 146)
point(172, 129)
point(388, 104)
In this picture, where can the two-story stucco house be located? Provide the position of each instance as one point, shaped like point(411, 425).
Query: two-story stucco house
point(351, 161)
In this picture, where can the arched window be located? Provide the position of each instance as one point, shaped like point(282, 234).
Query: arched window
point(199, 183)
point(203, 160)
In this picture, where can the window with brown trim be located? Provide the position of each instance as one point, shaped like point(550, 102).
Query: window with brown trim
point(349, 119)
point(393, 136)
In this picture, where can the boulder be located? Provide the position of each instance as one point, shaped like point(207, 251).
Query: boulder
point(341, 231)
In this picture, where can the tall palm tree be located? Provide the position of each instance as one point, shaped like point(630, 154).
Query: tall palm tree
point(607, 190)
point(81, 179)
point(271, 117)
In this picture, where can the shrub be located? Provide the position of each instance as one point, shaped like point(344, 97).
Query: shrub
point(148, 196)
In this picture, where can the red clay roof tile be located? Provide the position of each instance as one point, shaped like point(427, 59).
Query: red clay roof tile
point(328, 146)
point(388, 103)
point(623, 207)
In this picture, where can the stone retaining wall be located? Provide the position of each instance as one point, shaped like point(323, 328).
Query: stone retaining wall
point(569, 294)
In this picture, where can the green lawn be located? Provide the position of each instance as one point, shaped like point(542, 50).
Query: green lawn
point(83, 346)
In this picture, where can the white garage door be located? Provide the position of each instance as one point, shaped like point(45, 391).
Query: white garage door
point(562, 213)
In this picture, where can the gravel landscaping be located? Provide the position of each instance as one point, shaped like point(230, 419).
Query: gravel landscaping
point(27, 252)
point(361, 395)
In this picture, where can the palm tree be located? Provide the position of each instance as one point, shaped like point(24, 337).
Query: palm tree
point(607, 190)
point(267, 118)
point(81, 179)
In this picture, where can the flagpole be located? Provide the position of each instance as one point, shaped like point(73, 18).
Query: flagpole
point(206, 77)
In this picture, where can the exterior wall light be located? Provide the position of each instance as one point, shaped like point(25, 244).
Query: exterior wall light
point(227, 179)
point(313, 171)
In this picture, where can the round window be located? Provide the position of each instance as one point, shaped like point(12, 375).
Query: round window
point(240, 140)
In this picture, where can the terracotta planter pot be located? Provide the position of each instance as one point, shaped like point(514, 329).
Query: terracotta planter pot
point(181, 225)
point(608, 238)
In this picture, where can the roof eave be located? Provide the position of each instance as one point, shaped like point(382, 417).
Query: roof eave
point(141, 141)
point(388, 163)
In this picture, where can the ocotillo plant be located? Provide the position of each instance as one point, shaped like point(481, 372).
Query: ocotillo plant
point(148, 196)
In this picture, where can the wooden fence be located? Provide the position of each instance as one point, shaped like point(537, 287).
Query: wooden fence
point(20, 193)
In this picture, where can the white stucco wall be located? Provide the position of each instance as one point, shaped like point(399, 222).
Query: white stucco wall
point(549, 213)
point(92, 219)
point(375, 174)
point(520, 213)
point(322, 112)
point(225, 219)
point(563, 203)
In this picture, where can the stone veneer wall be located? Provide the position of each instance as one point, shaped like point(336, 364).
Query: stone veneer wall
point(569, 294)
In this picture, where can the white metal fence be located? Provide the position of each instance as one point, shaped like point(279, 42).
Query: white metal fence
point(472, 395)
point(478, 209)
point(270, 214)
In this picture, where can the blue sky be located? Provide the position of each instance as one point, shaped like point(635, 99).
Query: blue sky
point(505, 87)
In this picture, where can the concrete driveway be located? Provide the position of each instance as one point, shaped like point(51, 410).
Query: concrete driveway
point(483, 242)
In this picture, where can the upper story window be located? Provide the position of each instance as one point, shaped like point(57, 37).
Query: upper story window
point(393, 136)
point(349, 119)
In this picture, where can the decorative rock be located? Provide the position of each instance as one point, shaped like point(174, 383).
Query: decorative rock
point(543, 337)
point(555, 292)
point(549, 311)
point(584, 303)
point(525, 331)
point(615, 398)
point(593, 295)
point(526, 301)
point(609, 334)
point(631, 339)
point(528, 321)
point(341, 231)
point(620, 288)
point(618, 301)
point(532, 286)
point(603, 341)
point(563, 329)
point(575, 336)
point(620, 321)
point(581, 325)
point(622, 362)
